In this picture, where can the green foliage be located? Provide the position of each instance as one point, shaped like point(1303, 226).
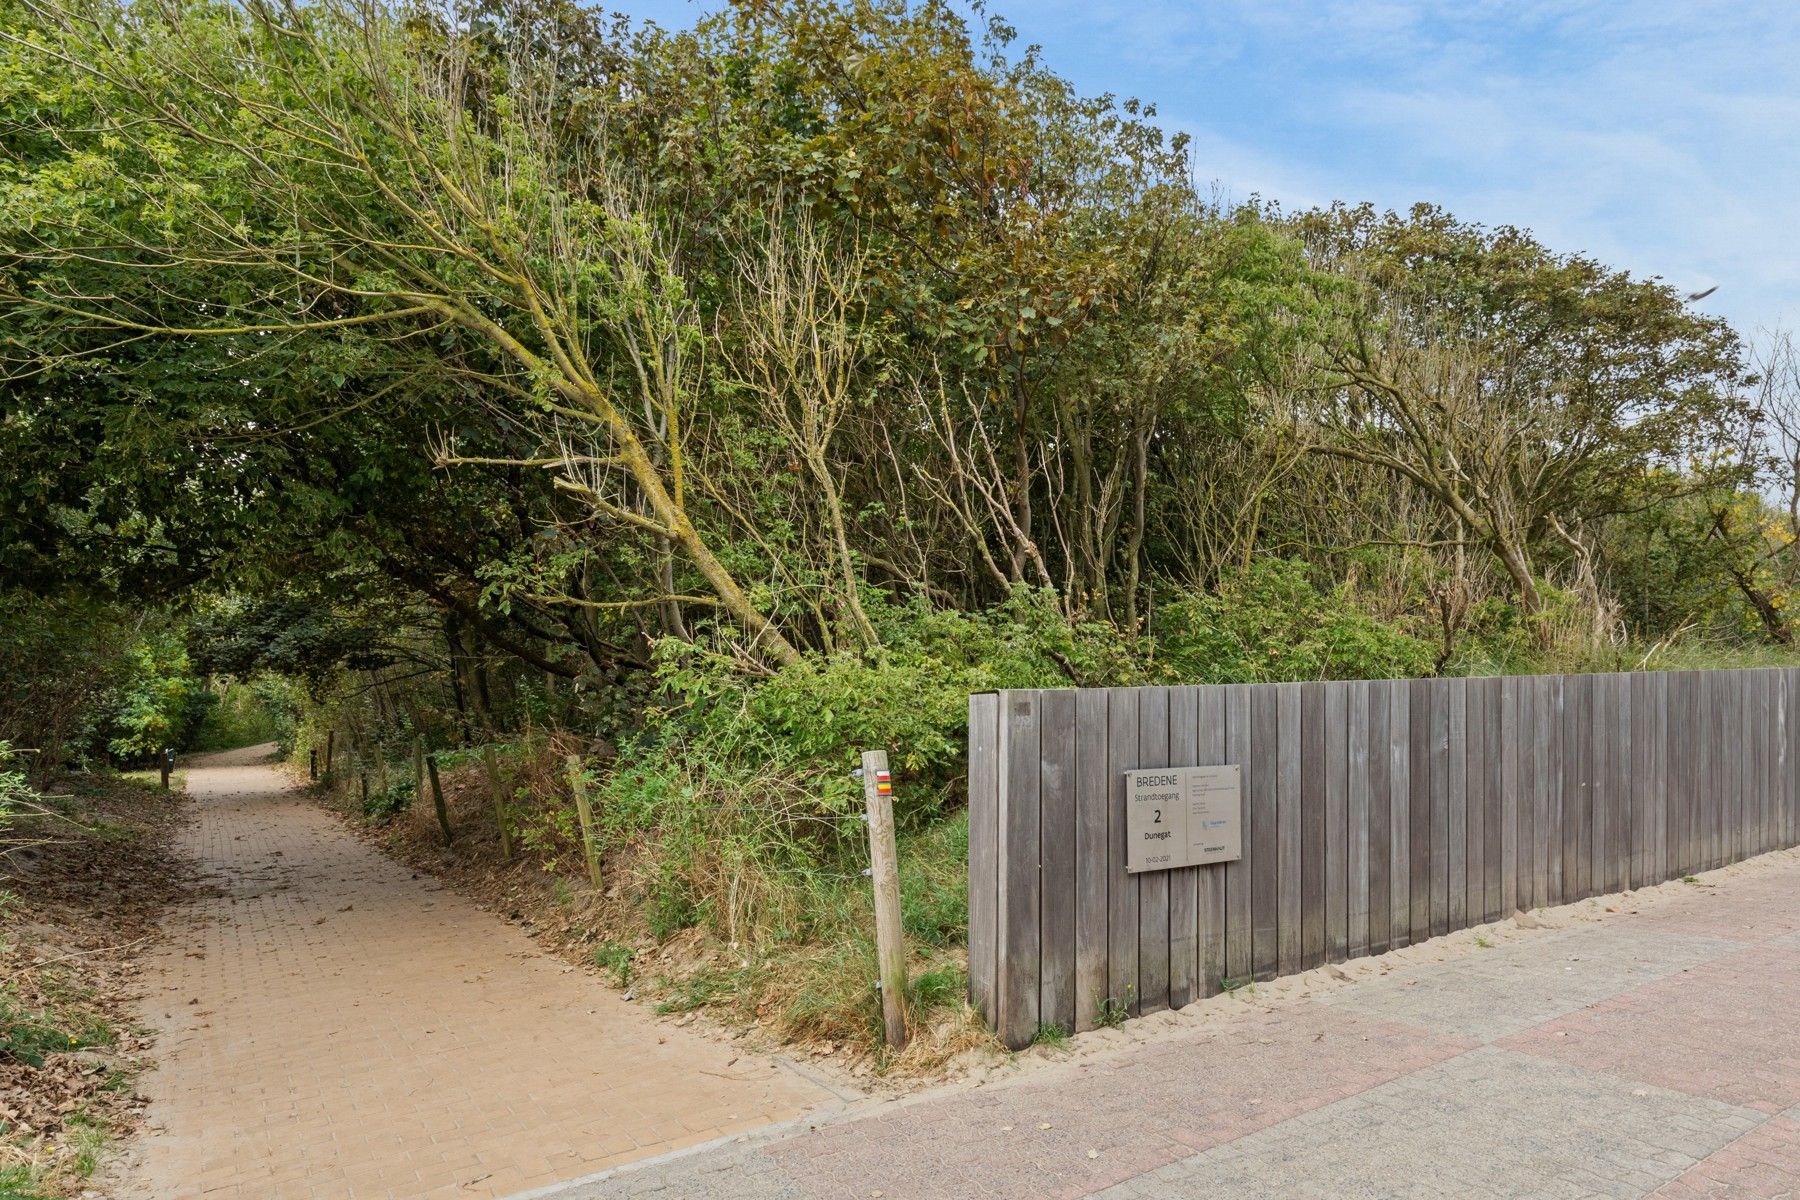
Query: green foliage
point(615, 958)
point(26, 1036)
point(1110, 1012)
point(249, 713)
point(297, 637)
point(1273, 623)
point(940, 987)
point(19, 1181)
point(16, 793)
point(695, 991)
point(544, 829)
point(384, 804)
point(61, 661)
point(909, 694)
point(160, 702)
point(934, 882)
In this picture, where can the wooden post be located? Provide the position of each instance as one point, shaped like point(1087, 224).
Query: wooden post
point(166, 761)
point(437, 797)
point(312, 764)
point(495, 788)
point(584, 809)
point(884, 872)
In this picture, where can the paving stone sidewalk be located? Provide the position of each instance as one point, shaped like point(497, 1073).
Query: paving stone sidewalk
point(1648, 1053)
point(335, 1027)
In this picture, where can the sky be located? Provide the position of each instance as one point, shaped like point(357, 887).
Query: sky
point(1660, 136)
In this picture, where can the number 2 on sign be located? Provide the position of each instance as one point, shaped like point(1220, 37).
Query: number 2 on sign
point(1158, 820)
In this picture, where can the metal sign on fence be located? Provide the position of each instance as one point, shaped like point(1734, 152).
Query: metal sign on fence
point(1183, 817)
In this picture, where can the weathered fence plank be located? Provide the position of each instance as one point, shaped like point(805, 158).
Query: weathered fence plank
point(1515, 773)
point(1790, 774)
point(1545, 829)
point(1643, 779)
point(1381, 817)
point(1260, 800)
point(1419, 755)
point(1701, 708)
point(1400, 822)
point(1605, 747)
point(1017, 921)
point(1765, 762)
point(1356, 819)
point(1712, 767)
point(984, 849)
point(1493, 765)
point(1337, 829)
point(1312, 825)
point(1457, 801)
point(1731, 753)
point(1210, 748)
point(1287, 930)
point(1475, 801)
point(1660, 867)
point(1577, 785)
point(1725, 736)
point(1184, 921)
point(1769, 758)
point(1238, 940)
point(1093, 853)
point(1682, 754)
point(1749, 839)
point(1121, 888)
point(1056, 852)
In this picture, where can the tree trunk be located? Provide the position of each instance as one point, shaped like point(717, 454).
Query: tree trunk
point(1773, 621)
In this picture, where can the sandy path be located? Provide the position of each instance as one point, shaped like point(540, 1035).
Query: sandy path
point(334, 1026)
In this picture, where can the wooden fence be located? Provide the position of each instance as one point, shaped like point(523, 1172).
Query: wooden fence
point(1376, 814)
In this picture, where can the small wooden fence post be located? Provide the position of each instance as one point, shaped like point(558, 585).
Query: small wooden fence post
point(166, 760)
point(884, 872)
point(492, 766)
point(584, 809)
point(312, 764)
point(437, 797)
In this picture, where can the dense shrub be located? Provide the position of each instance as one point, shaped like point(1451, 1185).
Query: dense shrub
point(60, 663)
point(1274, 623)
point(743, 786)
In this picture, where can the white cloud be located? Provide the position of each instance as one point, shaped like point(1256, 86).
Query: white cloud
point(1661, 137)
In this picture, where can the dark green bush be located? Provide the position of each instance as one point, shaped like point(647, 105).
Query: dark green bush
point(384, 804)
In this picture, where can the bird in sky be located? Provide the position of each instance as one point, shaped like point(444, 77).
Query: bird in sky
point(1693, 296)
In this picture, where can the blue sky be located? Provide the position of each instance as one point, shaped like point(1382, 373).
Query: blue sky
point(1662, 136)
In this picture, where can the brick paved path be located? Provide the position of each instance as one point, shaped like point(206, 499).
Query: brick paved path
point(334, 1027)
point(1654, 1051)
